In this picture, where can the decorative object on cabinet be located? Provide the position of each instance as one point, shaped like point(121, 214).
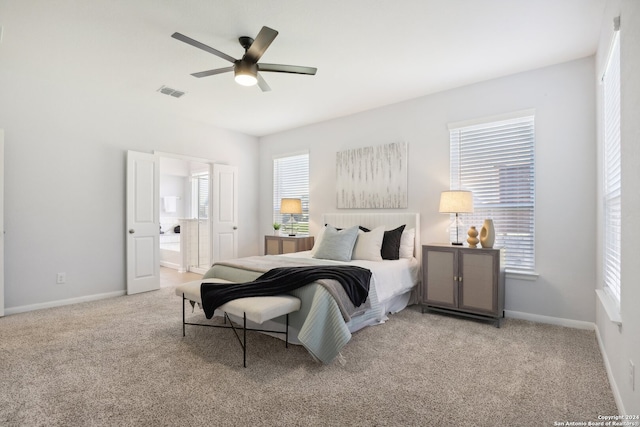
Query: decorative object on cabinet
point(473, 240)
point(276, 228)
point(456, 201)
point(464, 281)
point(487, 234)
point(372, 177)
point(277, 245)
point(291, 207)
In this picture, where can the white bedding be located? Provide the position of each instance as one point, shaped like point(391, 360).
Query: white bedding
point(393, 283)
point(391, 278)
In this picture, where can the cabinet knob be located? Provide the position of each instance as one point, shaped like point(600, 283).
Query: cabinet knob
point(455, 278)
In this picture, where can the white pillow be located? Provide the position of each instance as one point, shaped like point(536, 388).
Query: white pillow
point(317, 240)
point(407, 243)
point(368, 245)
point(337, 245)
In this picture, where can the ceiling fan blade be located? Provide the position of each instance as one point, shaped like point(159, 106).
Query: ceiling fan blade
point(262, 41)
point(293, 69)
point(213, 72)
point(202, 46)
point(263, 84)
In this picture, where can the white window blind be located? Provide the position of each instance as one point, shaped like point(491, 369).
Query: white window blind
point(495, 160)
point(291, 180)
point(611, 172)
point(200, 195)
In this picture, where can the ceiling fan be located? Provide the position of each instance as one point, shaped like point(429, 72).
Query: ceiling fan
point(246, 69)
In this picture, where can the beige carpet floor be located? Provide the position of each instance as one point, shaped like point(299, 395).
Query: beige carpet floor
point(124, 362)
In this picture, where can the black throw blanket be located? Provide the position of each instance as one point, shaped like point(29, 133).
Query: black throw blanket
point(354, 280)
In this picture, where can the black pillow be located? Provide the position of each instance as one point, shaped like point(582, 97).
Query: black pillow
point(391, 243)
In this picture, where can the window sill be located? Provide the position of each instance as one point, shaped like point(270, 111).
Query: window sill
point(522, 275)
point(610, 306)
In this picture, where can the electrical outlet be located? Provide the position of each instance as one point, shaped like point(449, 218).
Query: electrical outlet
point(61, 278)
point(632, 375)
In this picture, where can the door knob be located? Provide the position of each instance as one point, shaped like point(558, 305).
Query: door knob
point(131, 231)
point(235, 228)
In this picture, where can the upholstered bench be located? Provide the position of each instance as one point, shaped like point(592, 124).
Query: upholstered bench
point(254, 309)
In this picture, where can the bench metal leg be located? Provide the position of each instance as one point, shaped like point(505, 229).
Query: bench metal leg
point(243, 341)
point(244, 347)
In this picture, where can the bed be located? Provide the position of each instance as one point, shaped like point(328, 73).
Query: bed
point(321, 325)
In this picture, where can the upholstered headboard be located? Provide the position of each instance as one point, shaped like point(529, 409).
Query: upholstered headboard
point(390, 220)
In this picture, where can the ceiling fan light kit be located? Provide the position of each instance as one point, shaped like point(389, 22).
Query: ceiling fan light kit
point(246, 69)
point(246, 73)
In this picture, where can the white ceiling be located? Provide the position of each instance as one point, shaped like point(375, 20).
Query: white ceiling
point(369, 53)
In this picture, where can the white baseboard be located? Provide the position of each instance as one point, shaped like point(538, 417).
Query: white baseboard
point(173, 265)
point(60, 303)
point(577, 324)
point(612, 381)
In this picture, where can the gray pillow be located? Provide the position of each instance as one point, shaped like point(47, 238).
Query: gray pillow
point(337, 245)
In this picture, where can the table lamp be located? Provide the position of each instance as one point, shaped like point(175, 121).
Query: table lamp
point(291, 207)
point(456, 201)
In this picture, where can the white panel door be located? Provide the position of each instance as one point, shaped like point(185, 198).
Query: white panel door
point(1, 222)
point(225, 212)
point(143, 222)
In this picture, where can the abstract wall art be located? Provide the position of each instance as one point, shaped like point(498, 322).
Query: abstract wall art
point(372, 177)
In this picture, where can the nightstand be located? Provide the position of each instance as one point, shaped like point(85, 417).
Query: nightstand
point(276, 245)
point(462, 280)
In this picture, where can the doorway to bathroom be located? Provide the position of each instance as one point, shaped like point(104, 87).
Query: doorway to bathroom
point(198, 207)
point(185, 214)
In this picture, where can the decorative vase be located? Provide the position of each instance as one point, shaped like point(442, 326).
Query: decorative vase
point(473, 240)
point(487, 234)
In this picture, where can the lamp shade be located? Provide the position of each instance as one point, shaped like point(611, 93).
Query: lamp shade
point(291, 206)
point(456, 201)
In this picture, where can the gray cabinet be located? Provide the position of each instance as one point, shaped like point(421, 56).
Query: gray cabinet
point(461, 280)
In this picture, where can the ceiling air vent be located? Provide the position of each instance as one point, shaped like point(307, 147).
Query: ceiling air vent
point(171, 92)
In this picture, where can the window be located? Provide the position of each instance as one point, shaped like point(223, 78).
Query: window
point(200, 195)
point(291, 179)
point(495, 160)
point(611, 172)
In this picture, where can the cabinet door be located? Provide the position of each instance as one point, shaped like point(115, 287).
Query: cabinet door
point(271, 245)
point(441, 289)
point(305, 243)
point(289, 246)
point(478, 282)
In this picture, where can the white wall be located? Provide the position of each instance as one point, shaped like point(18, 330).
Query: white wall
point(564, 99)
point(65, 181)
point(622, 345)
